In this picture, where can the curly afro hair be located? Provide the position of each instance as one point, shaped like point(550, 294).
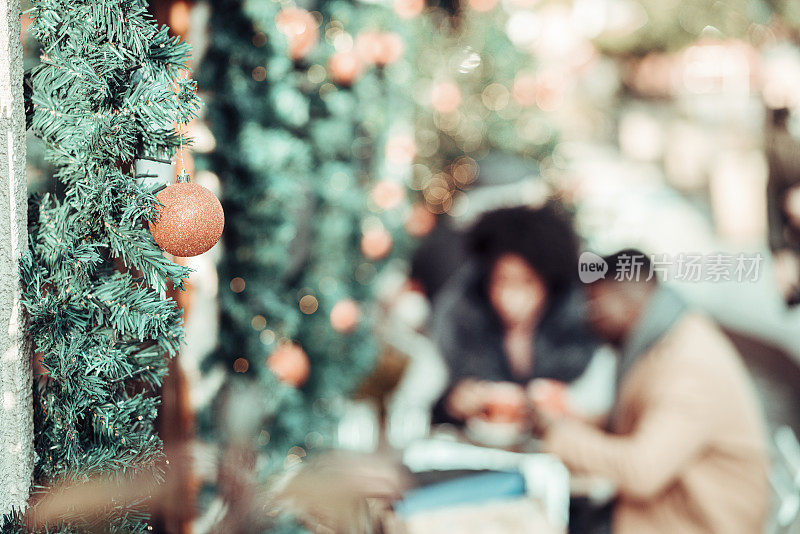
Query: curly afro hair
point(542, 236)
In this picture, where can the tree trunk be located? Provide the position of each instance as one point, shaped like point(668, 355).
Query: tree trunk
point(16, 406)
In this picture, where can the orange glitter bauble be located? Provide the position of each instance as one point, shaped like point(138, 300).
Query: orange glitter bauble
point(289, 362)
point(190, 221)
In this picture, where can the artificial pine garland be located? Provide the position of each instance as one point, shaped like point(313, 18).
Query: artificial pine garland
point(110, 88)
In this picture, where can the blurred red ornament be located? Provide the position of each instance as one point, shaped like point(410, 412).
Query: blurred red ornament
point(25, 21)
point(445, 97)
point(39, 369)
point(420, 222)
point(525, 89)
point(550, 89)
point(408, 9)
point(376, 243)
point(300, 28)
point(388, 194)
point(190, 221)
point(345, 67)
point(401, 149)
point(523, 4)
point(380, 48)
point(482, 5)
point(345, 315)
point(179, 14)
point(652, 75)
point(289, 362)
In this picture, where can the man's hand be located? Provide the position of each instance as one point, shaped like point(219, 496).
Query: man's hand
point(549, 396)
point(792, 206)
point(787, 272)
point(549, 402)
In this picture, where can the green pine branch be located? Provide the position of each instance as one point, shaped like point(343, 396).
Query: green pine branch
point(109, 88)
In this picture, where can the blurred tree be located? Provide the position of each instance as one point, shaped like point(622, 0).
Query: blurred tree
point(302, 113)
point(481, 89)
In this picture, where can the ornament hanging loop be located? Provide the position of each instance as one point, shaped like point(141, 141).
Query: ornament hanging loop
point(183, 176)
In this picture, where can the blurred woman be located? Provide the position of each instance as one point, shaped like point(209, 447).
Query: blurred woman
point(512, 313)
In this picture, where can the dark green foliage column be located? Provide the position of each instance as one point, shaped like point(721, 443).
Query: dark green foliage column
point(108, 90)
point(295, 155)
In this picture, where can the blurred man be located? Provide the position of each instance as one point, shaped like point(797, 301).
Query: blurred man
point(686, 447)
point(783, 203)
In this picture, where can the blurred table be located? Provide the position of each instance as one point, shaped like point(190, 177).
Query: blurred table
point(522, 515)
point(489, 505)
point(597, 489)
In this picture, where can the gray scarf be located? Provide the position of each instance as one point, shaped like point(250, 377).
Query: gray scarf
point(663, 311)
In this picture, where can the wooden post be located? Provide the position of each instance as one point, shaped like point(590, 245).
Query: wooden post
point(16, 383)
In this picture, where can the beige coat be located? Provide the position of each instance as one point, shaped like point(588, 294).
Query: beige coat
point(688, 454)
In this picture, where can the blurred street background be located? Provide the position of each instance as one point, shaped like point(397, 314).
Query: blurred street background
point(354, 146)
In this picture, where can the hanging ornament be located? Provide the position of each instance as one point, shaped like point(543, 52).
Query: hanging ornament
point(301, 30)
point(379, 48)
point(345, 67)
point(376, 243)
point(525, 89)
point(39, 368)
point(408, 9)
point(179, 17)
point(445, 97)
point(401, 149)
point(345, 315)
point(190, 220)
point(482, 6)
point(388, 194)
point(289, 362)
point(420, 221)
